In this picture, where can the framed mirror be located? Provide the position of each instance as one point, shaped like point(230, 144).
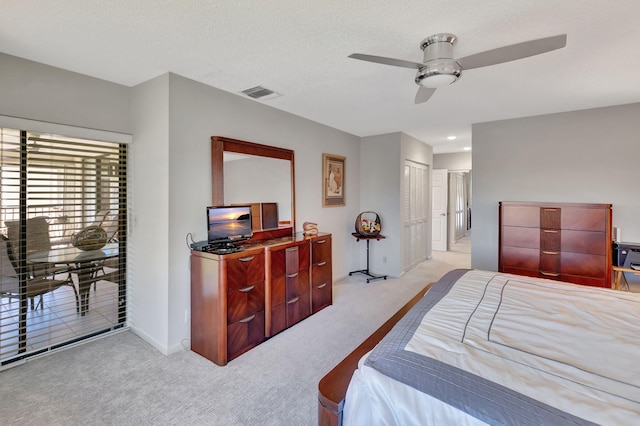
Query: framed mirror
point(262, 175)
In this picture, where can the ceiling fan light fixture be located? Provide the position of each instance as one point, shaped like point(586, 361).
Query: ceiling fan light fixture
point(437, 80)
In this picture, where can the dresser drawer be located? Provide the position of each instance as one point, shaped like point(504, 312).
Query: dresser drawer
point(321, 250)
point(298, 308)
point(550, 218)
point(550, 239)
point(278, 318)
point(297, 258)
point(587, 242)
point(321, 273)
point(515, 236)
point(243, 271)
point(297, 284)
point(550, 261)
point(514, 215)
point(245, 301)
point(585, 265)
point(585, 219)
point(520, 258)
point(321, 296)
point(244, 334)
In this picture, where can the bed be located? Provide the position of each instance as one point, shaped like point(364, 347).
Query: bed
point(490, 348)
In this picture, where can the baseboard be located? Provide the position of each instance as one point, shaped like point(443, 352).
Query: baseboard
point(150, 340)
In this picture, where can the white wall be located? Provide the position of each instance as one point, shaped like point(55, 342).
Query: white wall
point(588, 156)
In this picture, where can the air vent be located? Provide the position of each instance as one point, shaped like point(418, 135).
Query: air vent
point(261, 93)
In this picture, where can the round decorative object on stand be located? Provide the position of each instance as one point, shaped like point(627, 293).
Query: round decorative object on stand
point(368, 224)
point(90, 238)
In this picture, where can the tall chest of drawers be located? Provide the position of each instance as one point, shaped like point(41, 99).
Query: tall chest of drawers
point(564, 241)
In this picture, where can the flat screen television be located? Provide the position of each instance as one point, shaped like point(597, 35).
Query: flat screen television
point(228, 224)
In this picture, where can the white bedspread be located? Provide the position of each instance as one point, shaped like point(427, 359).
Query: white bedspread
point(571, 347)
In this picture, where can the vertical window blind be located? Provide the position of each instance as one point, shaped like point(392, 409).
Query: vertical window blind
point(62, 240)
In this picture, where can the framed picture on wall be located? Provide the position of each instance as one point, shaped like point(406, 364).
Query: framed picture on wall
point(333, 174)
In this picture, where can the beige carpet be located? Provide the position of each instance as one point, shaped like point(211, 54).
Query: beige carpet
point(121, 380)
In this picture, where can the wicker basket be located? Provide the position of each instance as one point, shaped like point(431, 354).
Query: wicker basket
point(368, 224)
point(90, 238)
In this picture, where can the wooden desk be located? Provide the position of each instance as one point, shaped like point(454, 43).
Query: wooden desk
point(617, 275)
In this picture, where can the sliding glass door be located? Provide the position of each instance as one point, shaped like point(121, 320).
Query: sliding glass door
point(62, 240)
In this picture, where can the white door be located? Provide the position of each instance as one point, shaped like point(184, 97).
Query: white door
point(415, 191)
point(439, 209)
point(457, 207)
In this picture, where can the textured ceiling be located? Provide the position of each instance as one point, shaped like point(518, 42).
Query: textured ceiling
point(299, 49)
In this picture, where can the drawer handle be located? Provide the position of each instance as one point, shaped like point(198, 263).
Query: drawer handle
point(293, 301)
point(550, 210)
point(322, 263)
point(246, 259)
point(322, 285)
point(248, 319)
point(550, 231)
point(321, 241)
point(293, 275)
point(292, 249)
point(550, 274)
point(247, 289)
point(550, 252)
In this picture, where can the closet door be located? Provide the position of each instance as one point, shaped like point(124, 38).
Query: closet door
point(415, 203)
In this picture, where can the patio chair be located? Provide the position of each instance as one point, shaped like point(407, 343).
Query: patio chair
point(36, 285)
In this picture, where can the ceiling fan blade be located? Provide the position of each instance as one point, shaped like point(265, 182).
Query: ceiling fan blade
point(423, 95)
point(513, 52)
point(386, 61)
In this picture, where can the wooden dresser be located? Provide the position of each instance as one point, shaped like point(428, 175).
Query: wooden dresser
point(240, 299)
point(563, 241)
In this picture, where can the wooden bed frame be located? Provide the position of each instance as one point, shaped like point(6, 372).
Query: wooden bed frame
point(333, 387)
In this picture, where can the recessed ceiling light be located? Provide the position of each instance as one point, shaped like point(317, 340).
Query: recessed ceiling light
point(467, 148)
point(451, 138)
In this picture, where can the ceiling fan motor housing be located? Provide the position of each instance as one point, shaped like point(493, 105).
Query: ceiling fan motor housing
point(440, 69)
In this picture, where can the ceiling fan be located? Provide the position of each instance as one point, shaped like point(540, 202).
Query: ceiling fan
point(439, 68)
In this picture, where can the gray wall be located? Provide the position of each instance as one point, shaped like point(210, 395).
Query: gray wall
point(148, 240)
point(172, 120)
point(198, 112)
point(458, 161)
point(588, 156)
point(382, 166)
point(40, 92)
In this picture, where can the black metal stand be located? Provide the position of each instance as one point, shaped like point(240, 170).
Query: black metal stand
point(366, 271)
